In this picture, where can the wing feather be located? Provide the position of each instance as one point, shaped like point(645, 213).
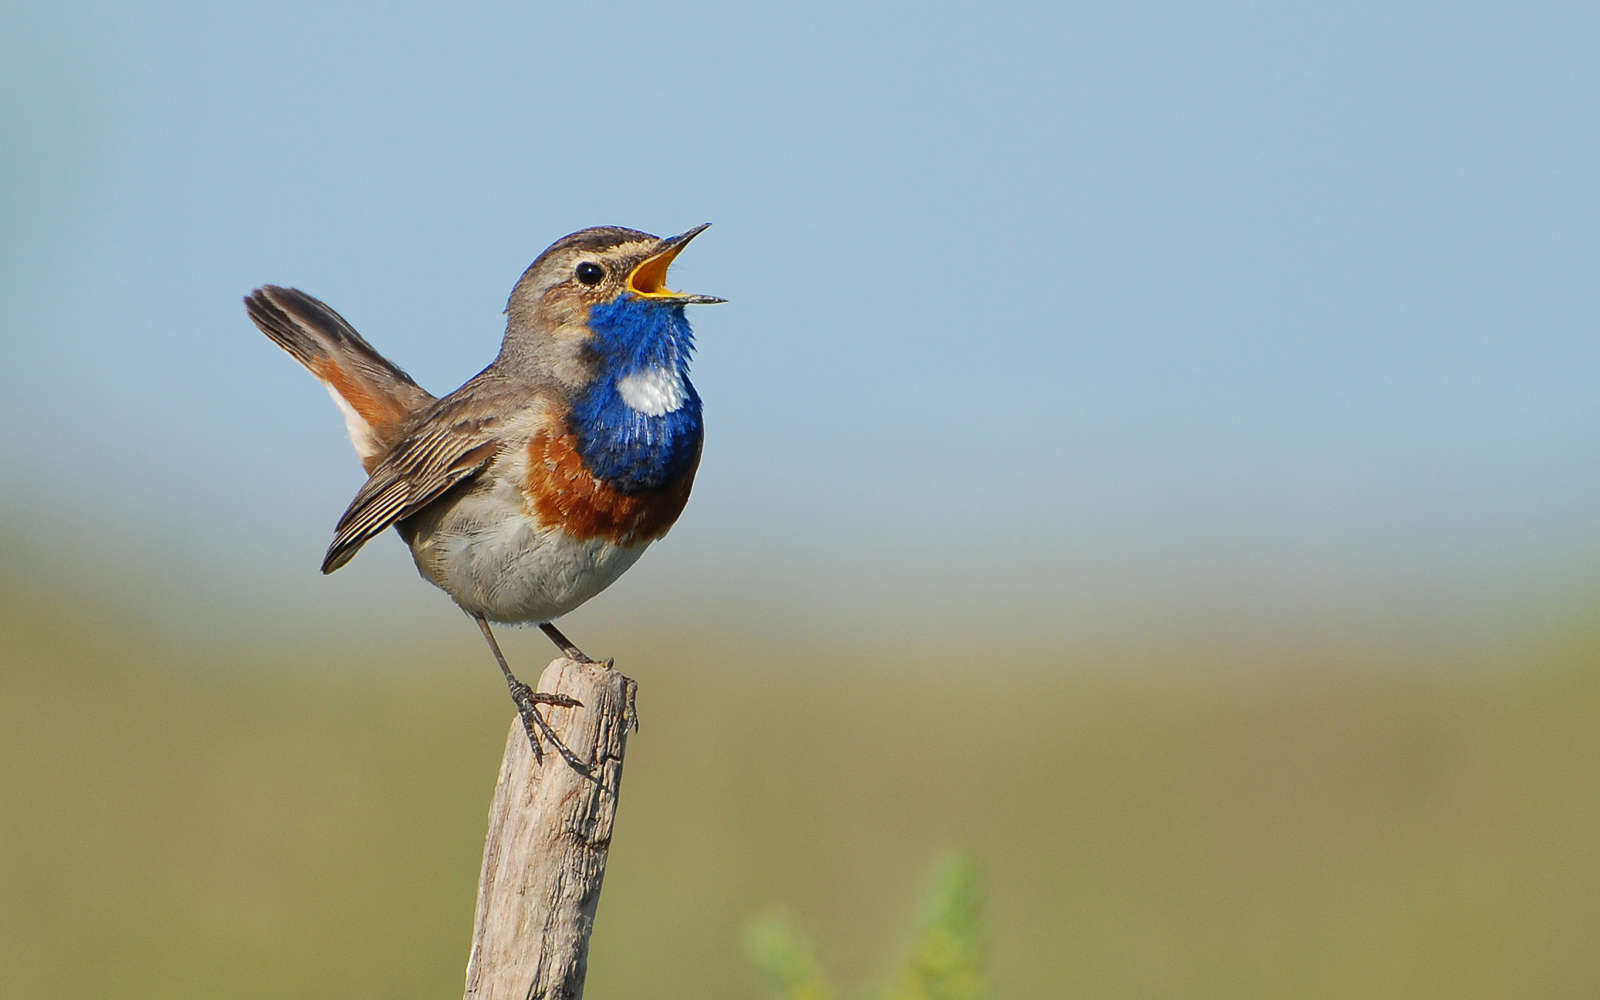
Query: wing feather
point(418, 471)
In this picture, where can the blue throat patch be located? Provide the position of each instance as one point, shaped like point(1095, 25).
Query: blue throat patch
point(630, 451)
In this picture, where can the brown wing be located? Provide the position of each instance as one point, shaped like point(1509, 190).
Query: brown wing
point(449, 446)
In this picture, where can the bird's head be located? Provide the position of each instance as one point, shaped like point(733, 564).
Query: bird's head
point(598, 299)
point(594, 314)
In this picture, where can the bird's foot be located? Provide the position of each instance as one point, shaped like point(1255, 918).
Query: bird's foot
point(527, 701)
point(631, 701)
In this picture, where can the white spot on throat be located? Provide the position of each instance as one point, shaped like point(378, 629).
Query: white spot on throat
point(653, 392)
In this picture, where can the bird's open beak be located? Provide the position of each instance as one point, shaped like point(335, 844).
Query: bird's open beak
point(649, 279)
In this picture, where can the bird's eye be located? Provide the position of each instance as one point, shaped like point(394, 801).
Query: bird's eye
point(590, 273)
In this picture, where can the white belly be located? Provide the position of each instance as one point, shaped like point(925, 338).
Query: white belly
point(497, 562)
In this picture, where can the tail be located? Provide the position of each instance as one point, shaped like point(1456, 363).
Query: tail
point(374, 395)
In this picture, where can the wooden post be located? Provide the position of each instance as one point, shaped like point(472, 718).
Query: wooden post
point(549, 830)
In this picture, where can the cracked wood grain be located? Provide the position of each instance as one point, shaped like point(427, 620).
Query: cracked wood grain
point(550, 828)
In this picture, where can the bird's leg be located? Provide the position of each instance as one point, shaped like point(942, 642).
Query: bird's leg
point(525, 698)
point(568, 648)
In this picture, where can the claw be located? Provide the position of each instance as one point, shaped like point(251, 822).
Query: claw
point(631, 707)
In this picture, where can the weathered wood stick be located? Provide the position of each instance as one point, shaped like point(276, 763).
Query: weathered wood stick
point(549, 830)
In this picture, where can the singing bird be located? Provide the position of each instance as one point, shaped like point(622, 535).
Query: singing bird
point(532, 487)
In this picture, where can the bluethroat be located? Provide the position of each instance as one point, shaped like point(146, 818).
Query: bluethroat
point(532, 487)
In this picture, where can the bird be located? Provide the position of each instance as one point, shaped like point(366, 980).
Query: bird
point(537, 483)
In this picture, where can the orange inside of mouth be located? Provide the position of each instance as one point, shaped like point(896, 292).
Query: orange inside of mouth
point(650, 277)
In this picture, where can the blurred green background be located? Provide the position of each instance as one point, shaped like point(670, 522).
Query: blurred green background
point(1151, 446)
point(187, 814)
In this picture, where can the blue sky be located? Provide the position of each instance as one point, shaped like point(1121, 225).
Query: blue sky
point(1036, 310)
